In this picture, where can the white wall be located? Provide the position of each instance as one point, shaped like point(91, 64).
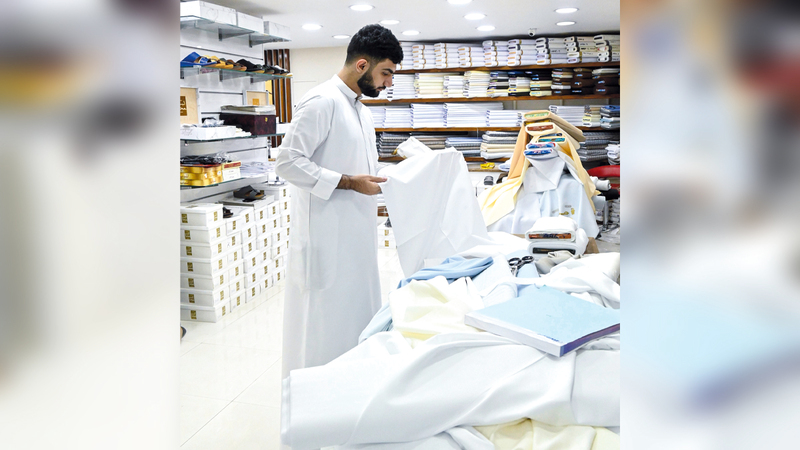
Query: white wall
point(312, 66)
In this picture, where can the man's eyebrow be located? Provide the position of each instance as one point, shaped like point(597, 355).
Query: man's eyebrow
point(390, 70)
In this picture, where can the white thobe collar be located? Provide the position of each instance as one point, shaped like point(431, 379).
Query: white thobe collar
point(349, 93)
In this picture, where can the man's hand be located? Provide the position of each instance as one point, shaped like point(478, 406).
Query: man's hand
point(364, 184)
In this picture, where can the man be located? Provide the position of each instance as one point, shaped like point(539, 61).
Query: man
point(330, 158)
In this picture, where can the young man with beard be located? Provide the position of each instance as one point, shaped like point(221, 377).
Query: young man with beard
point(329, 156)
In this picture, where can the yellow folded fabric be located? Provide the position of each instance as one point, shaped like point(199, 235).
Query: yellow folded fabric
point(528, 434)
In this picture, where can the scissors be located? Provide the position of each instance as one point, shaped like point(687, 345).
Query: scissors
point(516, 263)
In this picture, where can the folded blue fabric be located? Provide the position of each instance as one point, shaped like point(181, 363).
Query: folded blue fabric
point(451, 268)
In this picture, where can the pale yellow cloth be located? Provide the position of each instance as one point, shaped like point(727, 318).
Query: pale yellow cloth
point(527, 434)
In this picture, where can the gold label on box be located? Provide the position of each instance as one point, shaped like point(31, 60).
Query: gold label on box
point(237, 273)
point(190, 267)
point(237, 286)
point(286, 205)
point(277, 263)
point(279, 276)
point(233, 241)
point(187, 234)
point(218, 233)
point(254, 260)
point(249, 247)
point(254, 277)
point(191, 298)
point(275, 223)
point(279, 250)
point(287, 231)
point(279, 236)
point(194, 315)
point(386, 243)
point(235, 256)
point(223, 310)
point(238, 301)
point(219, 247)
point(261, 215)
point(253, 292)
point(184, 219)
point(247, 218)
point(216, 217)
point(191, 282)
point(266, 270)
point(222, 279)
point(284, 192)
point(222, 295)
point(220, 264)
point(188, 251)
point(249, 232)
point(385, 232)
point(288, 218)
point(234, 225)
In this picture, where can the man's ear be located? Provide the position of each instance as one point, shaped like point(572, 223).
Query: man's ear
point(362, 65)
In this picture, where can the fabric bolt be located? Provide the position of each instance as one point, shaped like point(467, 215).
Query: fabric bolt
point(334, 245)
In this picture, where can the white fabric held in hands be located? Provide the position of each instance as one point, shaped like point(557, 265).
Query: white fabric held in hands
point(433, 208)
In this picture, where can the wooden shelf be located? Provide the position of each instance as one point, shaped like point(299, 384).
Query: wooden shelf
point(486, 99)
point(439, 130)
point(506, 68)
point(467, 159)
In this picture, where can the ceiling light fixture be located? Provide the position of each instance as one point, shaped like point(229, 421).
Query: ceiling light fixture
point(389, 22)
point(564, 24)
point(311, 27)
point(458, 2)
point(411, 32)
point(361, 7)
point(475, 16)
point(566, 10)
point(341, 36)
point(485, 28)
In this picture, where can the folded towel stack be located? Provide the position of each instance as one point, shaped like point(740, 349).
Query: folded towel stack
point(446, 54)
point(476, 83)
point(504, 118)
point(468, 146)
point(495, 53)
point(468, 114)
point(607, 46)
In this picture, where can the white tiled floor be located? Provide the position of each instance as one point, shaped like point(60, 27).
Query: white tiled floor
point(230, 372)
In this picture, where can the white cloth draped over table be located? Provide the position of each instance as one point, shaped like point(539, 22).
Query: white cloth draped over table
point(333, 286)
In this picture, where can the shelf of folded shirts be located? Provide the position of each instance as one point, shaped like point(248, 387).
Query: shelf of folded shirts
point(505, 68)
point(225, 31)
point(252, 136)
point(229, 74)
point(192, 193)
point(437, 130)
point(472, 159)
point(508, 98)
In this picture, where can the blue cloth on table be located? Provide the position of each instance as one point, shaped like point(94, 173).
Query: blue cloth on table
point(451, 268)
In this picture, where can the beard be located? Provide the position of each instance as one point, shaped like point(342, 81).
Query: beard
point(367, 85)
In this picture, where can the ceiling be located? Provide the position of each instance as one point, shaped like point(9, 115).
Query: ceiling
point(434, 19)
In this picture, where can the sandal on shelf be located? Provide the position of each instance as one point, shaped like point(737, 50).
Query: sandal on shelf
point(250, 67)
point(226, 213)
point(248, 194)
point(237, 66)
point(194, 59)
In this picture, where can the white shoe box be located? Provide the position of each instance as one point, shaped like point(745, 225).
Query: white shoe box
point(287, 229)
point(274, 209)
point(239, 299)
point(255, 205)
point(264, 256)
point(266, 283)
point(263, 212)
point(204, 249)
point(203, 297)
point(236, 270)
point(278, 236)
point(285, 205)
point(202, 234)
point(264, 241)
point(206, 282)
point(237, 285)
point(208, 215)
point(250, 246)
point(235, 255)
point(205, 313)
point(249, 233)
point(248, 22)
point(251, 278)
point(384, 232)
point(234, 239)
point(266, 227)
point(280, 275)
point(252, 292)
point(234, 224)
point(280, 250)
point(204, 266)
point(386, 242)
point(247, 214)
point(251, 261)
point(266, 270)
point(285, 219)
point(277, 263)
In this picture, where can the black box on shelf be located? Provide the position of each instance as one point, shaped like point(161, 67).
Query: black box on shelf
point(256, 124)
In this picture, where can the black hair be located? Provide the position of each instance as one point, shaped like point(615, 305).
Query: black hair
point(374, 43)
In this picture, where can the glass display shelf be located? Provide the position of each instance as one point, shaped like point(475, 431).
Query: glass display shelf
point(225, 31)
point(229, 74)
point(253, 136)
point(238, 180)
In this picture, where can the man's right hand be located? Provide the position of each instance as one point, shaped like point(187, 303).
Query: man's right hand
point(364, 184)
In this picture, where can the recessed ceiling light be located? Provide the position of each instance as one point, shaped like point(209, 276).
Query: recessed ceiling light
point(564, 24)
point(566, 10)
point(485, 28)
point(341, 36)
point(389, 22)
point(458, 2)
point(411, 32)
point(475, 16)
point(361, 7)
point(311, 27)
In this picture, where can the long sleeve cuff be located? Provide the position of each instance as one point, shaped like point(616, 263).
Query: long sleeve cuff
point(326, 184)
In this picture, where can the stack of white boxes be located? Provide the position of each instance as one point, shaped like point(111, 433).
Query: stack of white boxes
point(205, 263)
point(280, 222)
point(386, 237)
point(257, 270)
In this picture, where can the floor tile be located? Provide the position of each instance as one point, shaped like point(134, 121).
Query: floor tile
point(266, 390)
point(196, 412)
point(187, 345)
point(222, 372)
point(260, 329)
point(239, 426)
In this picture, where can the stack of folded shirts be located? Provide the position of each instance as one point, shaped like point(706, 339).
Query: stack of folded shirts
point(424, 56)
point(498, 84)
point(551, 51)
point(591, 116)
point(504, 118)
point(468, 146)
point(613, 153)
point(453, 86)
point(495, 53)
point(562, 81)
point(476, 83)
point(388, 142)
point(594, 147)
point(470, 56)
point(468, 114)
point(446, 54)
point(572, 114)
point(430, 85)
point(522, 52)
point(397, 116)
point(402, 86)
point(582, 81)
point(519, 83)
point(606, 81)
point(607, 47)
point(427, 115)
point(580, 49)
point(498, 144)
point(408, 55)
point(541, 83)
point(610, 117)
point(378, 115)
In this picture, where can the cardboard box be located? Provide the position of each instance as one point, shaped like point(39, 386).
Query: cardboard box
point(262, 212)
point(189, 113)
point(265, 256)
point(207, 215)
point(246, 214)
point(204, 282)
point(204, 266)
point(266, 269)
point(384, 232)
point(205, 313)
point(278, 236)
point(208, 11)
point(202, 234)
point(251, 23)
point(204, 249)
point(236, 270)
point(230, 200)
point(203, 297)
point(266, 283)
point(387, 242)
point(256, 124)
point(285, 205)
